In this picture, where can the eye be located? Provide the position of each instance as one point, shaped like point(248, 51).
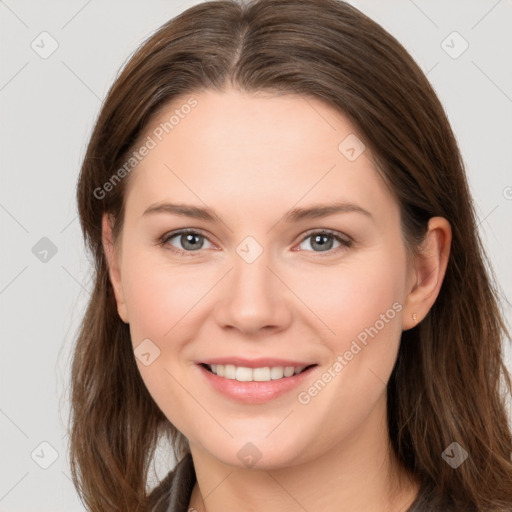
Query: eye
point(189, 241)
point(323, 241)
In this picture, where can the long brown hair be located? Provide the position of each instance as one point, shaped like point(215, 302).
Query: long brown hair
point(445, 386)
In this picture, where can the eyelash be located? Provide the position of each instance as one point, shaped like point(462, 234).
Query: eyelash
point(345, 242)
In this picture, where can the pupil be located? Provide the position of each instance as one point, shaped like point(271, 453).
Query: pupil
point(189, 239)
point(320, 239)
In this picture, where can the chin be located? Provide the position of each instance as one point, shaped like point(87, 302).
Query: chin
point(259, 454)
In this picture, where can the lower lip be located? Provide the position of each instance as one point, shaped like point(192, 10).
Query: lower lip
point(254, 392)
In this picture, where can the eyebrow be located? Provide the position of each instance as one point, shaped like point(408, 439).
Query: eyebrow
point(294, 215)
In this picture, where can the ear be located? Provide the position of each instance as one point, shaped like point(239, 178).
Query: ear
point(113, 265)
point(427, 272)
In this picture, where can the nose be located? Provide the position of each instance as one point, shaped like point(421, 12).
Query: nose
point(252, 299)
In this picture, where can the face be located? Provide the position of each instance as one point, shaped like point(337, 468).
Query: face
point(260, 282)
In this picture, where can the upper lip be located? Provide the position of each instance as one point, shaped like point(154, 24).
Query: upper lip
point(255, 363)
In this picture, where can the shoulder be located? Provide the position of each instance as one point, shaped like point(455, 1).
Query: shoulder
point(174, 491)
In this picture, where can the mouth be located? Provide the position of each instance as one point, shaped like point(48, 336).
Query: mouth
point(259, 374)
point(255, 384)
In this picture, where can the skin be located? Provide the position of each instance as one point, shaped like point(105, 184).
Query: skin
point(252, 158)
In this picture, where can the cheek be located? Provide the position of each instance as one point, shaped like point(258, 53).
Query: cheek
point(159, 299)
point(362, 304)
point(353, 296)
point(159, 296)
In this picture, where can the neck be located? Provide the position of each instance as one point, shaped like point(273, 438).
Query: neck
point(361, 473)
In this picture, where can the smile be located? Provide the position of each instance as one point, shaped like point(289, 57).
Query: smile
point(256, 384)
point(262, 374)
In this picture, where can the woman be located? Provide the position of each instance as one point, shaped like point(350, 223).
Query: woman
point(290, 287)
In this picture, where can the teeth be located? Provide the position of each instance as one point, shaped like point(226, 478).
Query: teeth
point(230, 371)
point(265, 374)
point(261, 374)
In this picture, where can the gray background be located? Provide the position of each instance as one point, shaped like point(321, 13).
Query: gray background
point(48, 109)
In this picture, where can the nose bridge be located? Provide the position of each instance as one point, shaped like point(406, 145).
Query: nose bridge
point(252, 297)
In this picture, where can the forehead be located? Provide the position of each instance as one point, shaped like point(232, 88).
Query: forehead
point(253, 151)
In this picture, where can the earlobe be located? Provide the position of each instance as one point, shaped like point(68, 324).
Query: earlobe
point(113, 265)
point(429, 269)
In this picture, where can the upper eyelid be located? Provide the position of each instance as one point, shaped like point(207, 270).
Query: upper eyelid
point(171, 234)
